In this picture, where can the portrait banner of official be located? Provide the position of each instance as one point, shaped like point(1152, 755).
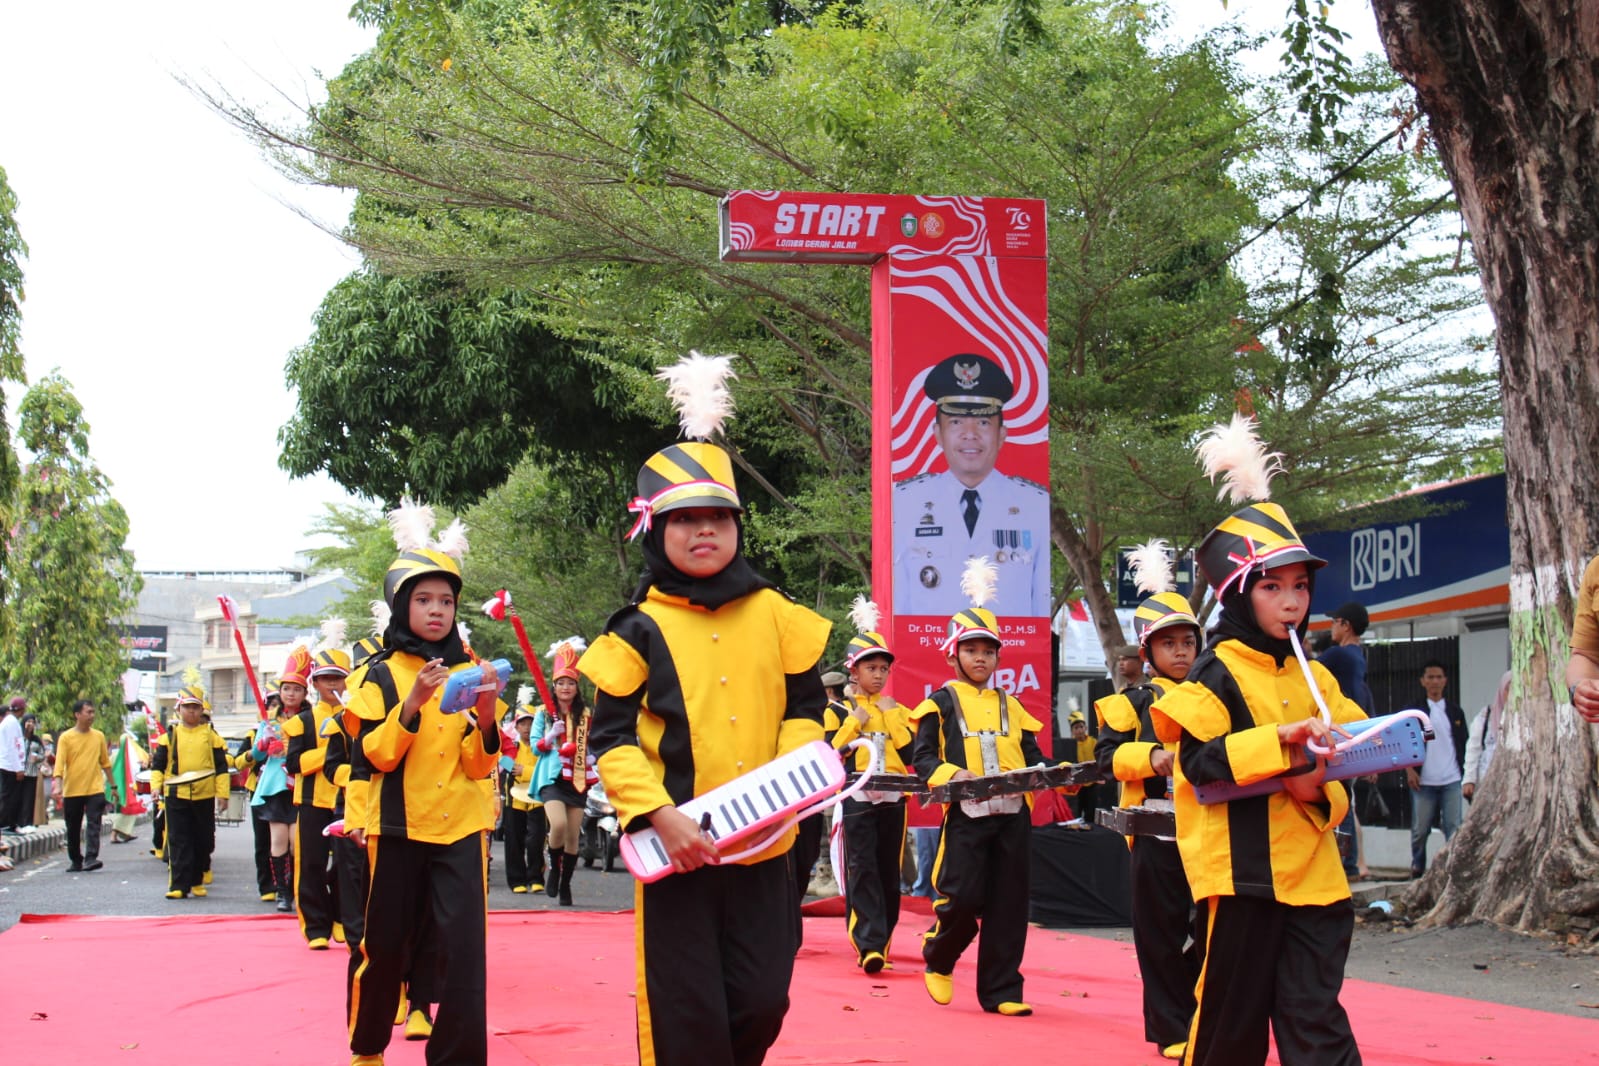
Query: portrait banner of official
point(970, 507)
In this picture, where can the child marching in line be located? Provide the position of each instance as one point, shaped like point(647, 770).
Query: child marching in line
point(708, 675)
point(315, 887)
point(567, 735)
point(425, 811)
point(192, 754)
point(525, 825)
point(1164, 918)
point(964, 730)
point(1266, 868)
point(874, 822)
point(273, 799)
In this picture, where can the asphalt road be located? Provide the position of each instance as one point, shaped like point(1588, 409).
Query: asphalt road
point(1476, 962)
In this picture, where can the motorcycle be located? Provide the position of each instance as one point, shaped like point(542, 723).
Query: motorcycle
point(601, 835)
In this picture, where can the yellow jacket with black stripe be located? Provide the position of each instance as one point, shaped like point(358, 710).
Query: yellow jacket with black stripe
point(186, 748)
point(307, 751)
point(690, 698)
point(425, 781)
point(941, 749)
point(527, 757)
point(1224, 720)
point(1127, 741)
point(245, 761)
point(892, 722)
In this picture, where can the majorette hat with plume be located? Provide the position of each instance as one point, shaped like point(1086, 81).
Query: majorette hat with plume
point(564, 654)
point(1259, 535)
point(1151, 568)
point(524, 703)
point(696, 473)
point(330, 659)
point(867, 641)
point(296, 668)
point(978, 582)
point(420, 554)
point(192, 691)
point(369, 646)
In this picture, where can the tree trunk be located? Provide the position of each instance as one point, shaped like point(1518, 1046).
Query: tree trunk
point(1087, 563)
point(1511, 91)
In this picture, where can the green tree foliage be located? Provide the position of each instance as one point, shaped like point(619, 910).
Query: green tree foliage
point(73, 578)
point(12, 252)
point(512, 169)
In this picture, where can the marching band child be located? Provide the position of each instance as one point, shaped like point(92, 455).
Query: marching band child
point(525, 827)
point(964, 730)
point(568, 735)
point(425, 813)
point(1129, 752)
point(315, 887)
point(1265, 869)
point(874, 823)
point(193, 752)
point(273, 800)
point(709, 674)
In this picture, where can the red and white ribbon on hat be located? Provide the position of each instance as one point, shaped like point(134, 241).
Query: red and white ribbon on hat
point(645, 507)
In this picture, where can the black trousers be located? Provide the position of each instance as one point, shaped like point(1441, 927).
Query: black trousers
point(11, 788)
point(1169, 936)
point(416, 886)
point(263, 853)
point(1269, 963)
point(524, 833)
point(718, 955)
point(315, 889)
point(874, 839)
point(191, 834)
point(351, 873)
point(77, 810)
point(980, 882)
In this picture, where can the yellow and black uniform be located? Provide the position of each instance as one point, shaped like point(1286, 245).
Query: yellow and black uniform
point(688, 698)
point(874, 822)
point(1266, 869)
point(981, 871)
point(191, 807)
point(315, 889)
point(82, 759)
point(523, 822)
point(349, 858)
point(424, 815)
point(245, 761)
point(1164, 916)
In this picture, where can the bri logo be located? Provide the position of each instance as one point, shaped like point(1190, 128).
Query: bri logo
point(1378, 555)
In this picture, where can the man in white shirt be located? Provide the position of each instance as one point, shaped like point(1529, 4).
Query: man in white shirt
point(1435, 784)
point(13, 764)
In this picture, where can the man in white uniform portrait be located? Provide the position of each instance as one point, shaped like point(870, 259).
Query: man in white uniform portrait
point(943, 519)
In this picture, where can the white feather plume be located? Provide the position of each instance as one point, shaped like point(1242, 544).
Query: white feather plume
point(412, 524)
point(864, 615)
point(452, 541)
point(380, 617)
point(577, 644)
point(524, 696)
point(1151, 567)
point(979, 580)
point(1240, 457)
point(466, 633)
point(697, 386)
point(334, 634)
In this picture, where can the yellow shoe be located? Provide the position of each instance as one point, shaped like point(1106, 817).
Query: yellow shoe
point(399, 1013)
point(269, 897)
point(338, 932)
point(159, 853)
point(417, 1026)
point(941, 986)
point(520, 890)
point(1174, 1051)
point(205, 878)
point(536, 886)
point(198, 890)
point(317, 943)
point(176, 893)
point(872, 961)
point(366, 1060)
point(1014, 1010)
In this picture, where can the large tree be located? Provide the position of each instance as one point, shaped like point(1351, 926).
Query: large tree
point(12, 252)
point(73, 578)
point(1511, 94)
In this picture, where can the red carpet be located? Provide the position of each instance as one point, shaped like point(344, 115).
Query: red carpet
point(208, 990)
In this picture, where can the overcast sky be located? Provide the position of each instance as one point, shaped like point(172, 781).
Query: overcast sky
point(167, 277)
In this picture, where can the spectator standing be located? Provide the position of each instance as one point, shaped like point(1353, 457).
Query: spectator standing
point(1435, 784)
point(1129, 667)
point(1346, 661)
point(35, 806)
point(1582, 669)
point(82, 759)
point(13, 764)
point(1484, 739)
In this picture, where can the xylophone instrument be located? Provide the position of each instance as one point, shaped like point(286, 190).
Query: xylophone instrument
point(1011, 782)
point(1138, 821)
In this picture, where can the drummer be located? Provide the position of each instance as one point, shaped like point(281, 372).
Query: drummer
point(186, 768)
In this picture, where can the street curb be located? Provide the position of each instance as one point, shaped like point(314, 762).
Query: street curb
point(41, 841)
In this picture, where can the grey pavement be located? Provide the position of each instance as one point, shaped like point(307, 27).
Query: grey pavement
point(1476, 961)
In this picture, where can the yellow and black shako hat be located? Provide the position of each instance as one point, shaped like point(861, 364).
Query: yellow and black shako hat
point(330, 659)
point(1257, 537)
point(867, 641)
point(1162, 611)
point(689, 474)
point(968, 384)
point(421, 555)
point(192, 691)
point(979, 582)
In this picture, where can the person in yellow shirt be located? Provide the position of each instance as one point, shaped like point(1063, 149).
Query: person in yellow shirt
point(524, 819)
point(315, 889)
point(874, 822)
point(189, 770)
point(424, 808)
point(82, 758)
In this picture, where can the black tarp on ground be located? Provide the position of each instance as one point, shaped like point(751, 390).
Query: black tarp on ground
point(1079, 878)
